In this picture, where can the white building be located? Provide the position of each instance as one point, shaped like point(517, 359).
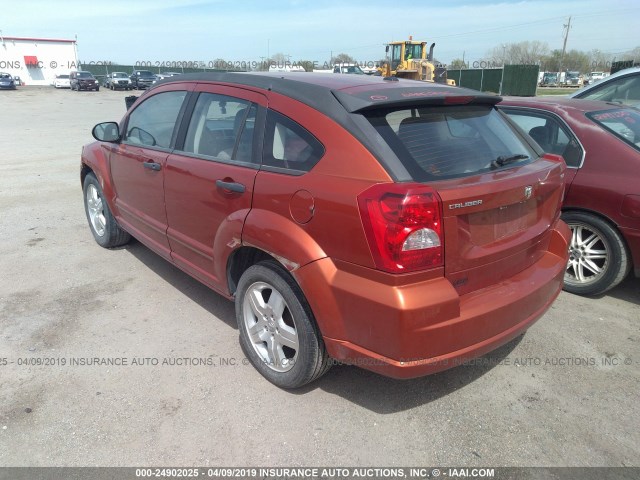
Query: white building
point(37, 61)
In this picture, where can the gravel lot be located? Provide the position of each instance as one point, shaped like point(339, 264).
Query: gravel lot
point(564, 394)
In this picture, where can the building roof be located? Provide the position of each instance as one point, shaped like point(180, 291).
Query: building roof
point(30, 39)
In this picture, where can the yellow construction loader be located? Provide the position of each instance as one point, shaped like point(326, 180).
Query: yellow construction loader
point(409, 59)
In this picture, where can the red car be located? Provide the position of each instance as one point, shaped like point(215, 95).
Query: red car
point(401, 226)
point(600, 143)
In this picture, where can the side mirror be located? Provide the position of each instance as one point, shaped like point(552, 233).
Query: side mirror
point(106, 132)
point(387, 49)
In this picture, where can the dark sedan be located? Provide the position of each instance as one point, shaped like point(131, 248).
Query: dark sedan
point(141, 79)
point(600, 143)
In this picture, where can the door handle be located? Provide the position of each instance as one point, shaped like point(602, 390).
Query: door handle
point(152, 166)
point(231, 186)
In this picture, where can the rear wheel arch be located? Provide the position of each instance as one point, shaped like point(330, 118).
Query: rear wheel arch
point(601, 216)
point(604, 245)
point(239, 261)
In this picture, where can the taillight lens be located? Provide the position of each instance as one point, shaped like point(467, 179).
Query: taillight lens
point(403, 225)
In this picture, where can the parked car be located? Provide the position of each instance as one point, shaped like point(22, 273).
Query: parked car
point(163, 75)
point(600, 143)
point(83, 80)
point(621, 87)
point(549, 79)
point(7, 82)
point(593, 77)
point(117, 81)
point(401, 226)
point(141, 79)
point(62, 81)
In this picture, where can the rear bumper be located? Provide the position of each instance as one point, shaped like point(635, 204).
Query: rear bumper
point(407, 330)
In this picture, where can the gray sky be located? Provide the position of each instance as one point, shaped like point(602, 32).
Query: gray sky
point(127, 31)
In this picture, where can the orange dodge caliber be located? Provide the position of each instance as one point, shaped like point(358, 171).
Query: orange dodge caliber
point(404, 227)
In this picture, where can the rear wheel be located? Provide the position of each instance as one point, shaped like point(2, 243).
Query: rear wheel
point(277, 330)
point(104, 227)
point(598, 257)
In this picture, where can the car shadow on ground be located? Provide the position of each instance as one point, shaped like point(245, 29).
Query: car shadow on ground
point(386, 395)
point(362, 387)
point(628, 290)
point(211, 301)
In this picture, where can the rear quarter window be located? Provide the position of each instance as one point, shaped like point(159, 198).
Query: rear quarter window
point(623, 123)
point(450, 141)
point(289, 147)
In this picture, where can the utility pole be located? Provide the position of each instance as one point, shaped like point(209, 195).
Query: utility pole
point(567, 27)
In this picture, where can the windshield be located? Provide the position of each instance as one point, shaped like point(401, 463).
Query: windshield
point(145, 73)
point(5, 75)
point(120, 75)
point(449, 142)
point(85, 75)
point(624, 123)
point(412, 52)
point(355, 69)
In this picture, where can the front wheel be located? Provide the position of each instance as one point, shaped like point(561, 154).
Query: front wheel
point(278, 333)
point(598, 257)
point(103, 225)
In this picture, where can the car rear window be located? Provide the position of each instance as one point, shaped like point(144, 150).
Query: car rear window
point(450, 141)
point(624, 123)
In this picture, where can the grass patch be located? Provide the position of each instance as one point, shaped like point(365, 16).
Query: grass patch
point(554, 91)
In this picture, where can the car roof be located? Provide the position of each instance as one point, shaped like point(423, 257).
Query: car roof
point(356, 93)
point(339, 96)
point(562, 104)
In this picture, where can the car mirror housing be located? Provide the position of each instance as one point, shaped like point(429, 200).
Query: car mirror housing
point(106, 132)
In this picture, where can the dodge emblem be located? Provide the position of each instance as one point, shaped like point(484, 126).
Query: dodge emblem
point(527, 192)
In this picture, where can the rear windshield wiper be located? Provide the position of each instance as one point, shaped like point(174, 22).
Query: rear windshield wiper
point(503, 160)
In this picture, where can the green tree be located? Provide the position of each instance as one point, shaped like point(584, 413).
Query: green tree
point(573, 61)
point(457, 64)
point(522, 53)
point(342, 58)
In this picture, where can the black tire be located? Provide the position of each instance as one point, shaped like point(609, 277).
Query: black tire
point(111, 234)
point(299, 367)
point(598, 256)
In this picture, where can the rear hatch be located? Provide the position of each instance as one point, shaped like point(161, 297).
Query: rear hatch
point(497, 196)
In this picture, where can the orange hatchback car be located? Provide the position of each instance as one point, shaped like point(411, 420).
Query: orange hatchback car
point(401, 226)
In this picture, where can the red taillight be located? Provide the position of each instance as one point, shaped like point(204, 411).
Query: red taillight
point(403, 224)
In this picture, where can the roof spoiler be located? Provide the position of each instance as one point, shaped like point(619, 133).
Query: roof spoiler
point(360, 102)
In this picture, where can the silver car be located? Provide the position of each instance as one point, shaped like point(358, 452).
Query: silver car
point(621, 87)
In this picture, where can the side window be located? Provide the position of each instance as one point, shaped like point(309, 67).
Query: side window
point(550, 133)
point(290, 146)
point(222, 127)
point(152, 123)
